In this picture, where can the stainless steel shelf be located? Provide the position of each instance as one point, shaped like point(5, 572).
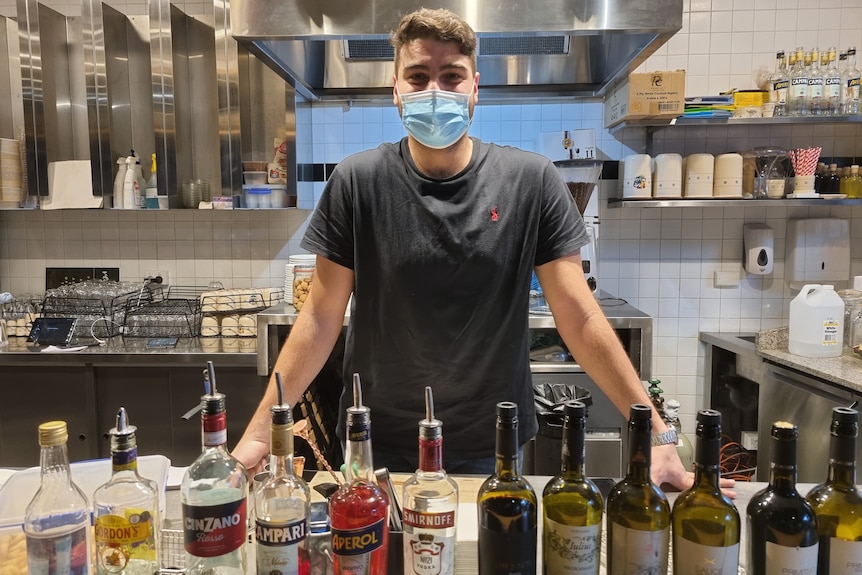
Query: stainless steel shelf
point(725, 203)
point(682, 121)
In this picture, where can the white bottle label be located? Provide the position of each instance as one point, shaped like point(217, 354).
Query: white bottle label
point(781, 560)
point(833, 88)
point(691, 557)
point(845, 557)
point(571, 550)
point(638, 551)
point(428, 550)
point(798, 88)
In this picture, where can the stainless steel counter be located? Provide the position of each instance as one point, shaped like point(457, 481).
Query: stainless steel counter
point(620, 313)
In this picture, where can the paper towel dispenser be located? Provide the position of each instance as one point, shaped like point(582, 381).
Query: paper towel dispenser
point(817, 250)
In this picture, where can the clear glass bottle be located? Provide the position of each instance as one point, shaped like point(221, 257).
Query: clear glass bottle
point(359, 510)
point(797, 99)
point(572, 506)
point(638, 513)
point(57, 519)
point(816, 81)
point(281, 503)
point(126, 510)
point(837, 502)
point(214, 494)
point(430, 501)
point(781, 524)
point(507, 505)
point(850, 84)
point(854, 189)
point(706, 524)
point(832, 85)
point(303, 277)
point(779, 83)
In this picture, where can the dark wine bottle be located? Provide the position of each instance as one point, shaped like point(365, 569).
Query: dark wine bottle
point(638, 512)
point(572, 506)
point(706, 524)
point(781, 524)
point(508, 507)
point(837, 502)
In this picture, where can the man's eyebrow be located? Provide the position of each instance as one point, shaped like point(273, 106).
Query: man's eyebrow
point(425, 67)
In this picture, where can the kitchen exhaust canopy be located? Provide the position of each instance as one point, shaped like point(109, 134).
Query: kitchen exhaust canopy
point(338, 50)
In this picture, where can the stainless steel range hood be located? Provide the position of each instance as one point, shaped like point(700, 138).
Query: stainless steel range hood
point(338, 50)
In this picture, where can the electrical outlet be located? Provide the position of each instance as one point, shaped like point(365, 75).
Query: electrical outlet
point(152, 274)
point(749, 440)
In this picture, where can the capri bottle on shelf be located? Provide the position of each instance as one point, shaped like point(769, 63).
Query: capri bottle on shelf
point(837, 502)
point(781, 524)
point(706, 525)
point(572, 506)
point(638, 513)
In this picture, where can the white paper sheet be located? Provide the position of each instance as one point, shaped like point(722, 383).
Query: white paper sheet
point(70, 185)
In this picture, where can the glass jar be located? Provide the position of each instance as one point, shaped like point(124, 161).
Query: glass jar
point(303, 276)
point(852, 302)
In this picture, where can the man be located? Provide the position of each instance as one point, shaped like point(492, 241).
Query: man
point(437, 237)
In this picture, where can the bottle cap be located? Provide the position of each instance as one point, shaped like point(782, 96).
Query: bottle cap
point(358, 414)
point(507, 413)
point(640, 412)
point(53, 433)
point(784, 431)
point(123, 435)
point(845, 417)
point(575, 410)
point(430, 428)
point(212, 402)
point(281, 413)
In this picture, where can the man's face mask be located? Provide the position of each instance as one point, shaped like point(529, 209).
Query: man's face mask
point(436, 118)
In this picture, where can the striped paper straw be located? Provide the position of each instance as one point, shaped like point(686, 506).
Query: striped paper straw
point(805, 160)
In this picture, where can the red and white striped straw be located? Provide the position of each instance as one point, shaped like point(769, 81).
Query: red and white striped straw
point(804, 160)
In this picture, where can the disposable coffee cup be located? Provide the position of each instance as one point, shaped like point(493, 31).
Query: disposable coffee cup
point(767, 109)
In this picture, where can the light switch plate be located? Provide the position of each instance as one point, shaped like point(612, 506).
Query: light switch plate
point(726, 279)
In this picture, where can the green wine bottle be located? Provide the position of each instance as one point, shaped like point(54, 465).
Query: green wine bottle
point(837, 502)
point(706, 524)
point(638, 512)
point(572, 506)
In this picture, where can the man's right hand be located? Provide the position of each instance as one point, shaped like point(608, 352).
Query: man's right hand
point(253, 454)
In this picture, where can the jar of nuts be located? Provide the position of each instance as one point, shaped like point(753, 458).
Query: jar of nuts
point(302, 277)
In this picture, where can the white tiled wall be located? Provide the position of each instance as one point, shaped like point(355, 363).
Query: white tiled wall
point(661, 260)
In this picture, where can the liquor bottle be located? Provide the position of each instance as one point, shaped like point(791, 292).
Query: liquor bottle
point(430, 504)
point(638, 512)
point(214, 494)
point(706, 525)
point(850, 83)
point(837, 502)
point(778, 85)
point(57, 519)
point(281, 502)
point(832, 85)
point(572, 506)
point(815, 85)
point(359, 510)
point(797, 98)
point(832, 183)
point(126, 510)
point(781, 524)
point(508, 506)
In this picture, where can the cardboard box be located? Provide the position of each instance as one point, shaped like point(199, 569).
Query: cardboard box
point(653, 94)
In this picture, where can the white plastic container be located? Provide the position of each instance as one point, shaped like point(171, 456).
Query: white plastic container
point(816, 322)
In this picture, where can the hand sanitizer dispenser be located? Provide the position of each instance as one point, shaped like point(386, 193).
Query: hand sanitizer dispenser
point(758, 248)
point(817, 251)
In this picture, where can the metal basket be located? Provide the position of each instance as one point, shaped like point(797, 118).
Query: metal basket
point(177, 313)
point(101, 315)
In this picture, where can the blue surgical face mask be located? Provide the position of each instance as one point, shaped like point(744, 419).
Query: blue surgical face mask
point(436, 118)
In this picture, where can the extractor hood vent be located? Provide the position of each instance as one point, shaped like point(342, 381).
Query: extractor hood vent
point(338, 50)
point(523, 46)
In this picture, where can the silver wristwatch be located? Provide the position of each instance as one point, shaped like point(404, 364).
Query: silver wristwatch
point(665, 437)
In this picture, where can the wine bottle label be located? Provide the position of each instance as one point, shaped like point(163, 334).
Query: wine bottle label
point(691, 557)
point(571, 550)
point(845, 557)
point(781, 560)
point(213, 530)
point(354, 547)
point(637, 551)
point(119, 539)
point(68, 553)
point(428, 553)
point(278, 546)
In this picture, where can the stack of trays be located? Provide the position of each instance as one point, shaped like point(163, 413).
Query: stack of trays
point(294, 260)
point(11, 173)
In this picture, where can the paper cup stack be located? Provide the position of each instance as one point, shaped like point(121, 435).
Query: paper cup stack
point(294, 260)
point(11, 173)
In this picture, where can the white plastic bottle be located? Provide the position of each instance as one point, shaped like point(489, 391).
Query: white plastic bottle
point(816, 322)
point(131, 194)
point(119, 182)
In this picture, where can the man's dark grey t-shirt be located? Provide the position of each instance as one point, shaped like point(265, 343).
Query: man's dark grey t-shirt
point(442, 275)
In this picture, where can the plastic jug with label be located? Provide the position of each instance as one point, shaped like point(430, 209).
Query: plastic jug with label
point(816, 322)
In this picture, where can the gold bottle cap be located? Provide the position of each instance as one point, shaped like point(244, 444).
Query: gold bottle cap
point(53, 433)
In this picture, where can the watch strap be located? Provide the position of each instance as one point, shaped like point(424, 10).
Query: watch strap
point(665, 437)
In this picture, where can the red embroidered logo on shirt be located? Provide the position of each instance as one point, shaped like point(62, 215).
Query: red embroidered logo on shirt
point(494, 216)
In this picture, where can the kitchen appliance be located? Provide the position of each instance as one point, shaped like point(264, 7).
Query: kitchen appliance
point(636, 176)
point(568, 144)
point(339, 49)
point(699, 170)
point(817, 250)
point(727, 181)
point(667, 176)
point(582, 177)
point(758, 248)
point(764, 172)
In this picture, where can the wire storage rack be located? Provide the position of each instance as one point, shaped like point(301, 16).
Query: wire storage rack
point(175, 312)
point(100, 306)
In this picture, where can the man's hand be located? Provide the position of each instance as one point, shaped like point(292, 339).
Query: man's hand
point(253, 453)
point(667, 471)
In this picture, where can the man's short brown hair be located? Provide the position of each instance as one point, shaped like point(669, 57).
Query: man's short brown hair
point(437, 24)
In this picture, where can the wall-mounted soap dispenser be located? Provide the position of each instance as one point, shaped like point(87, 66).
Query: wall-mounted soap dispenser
point(817, 250)
point(758, 248)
